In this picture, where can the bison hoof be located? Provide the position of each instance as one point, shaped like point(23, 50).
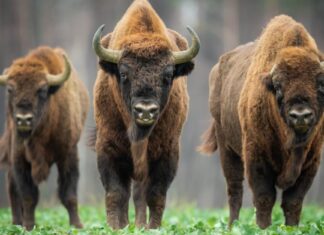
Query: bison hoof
point(78, 225)
point(29, 227)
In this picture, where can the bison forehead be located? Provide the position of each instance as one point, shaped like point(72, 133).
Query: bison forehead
point(146, 45)
point(298, 61)
point(22, 69)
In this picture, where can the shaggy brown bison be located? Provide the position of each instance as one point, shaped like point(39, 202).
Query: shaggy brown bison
point(141, 102)
point(46, 111)
point(267, 99)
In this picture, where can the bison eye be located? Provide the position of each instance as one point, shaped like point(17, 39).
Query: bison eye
point(320, 83)
point(42, 92)
point(123, 77)
point(167, 80)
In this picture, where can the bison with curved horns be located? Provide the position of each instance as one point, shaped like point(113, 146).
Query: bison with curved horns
point(267, 99)
point(141, 102)
point(46, 110)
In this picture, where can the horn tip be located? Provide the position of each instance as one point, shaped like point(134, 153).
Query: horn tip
point(97, 36)
point(193, 33)
point(102, 27)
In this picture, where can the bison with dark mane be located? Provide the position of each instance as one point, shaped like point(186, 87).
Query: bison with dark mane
point(46, 110)
point(267, 100)
point(141, 102)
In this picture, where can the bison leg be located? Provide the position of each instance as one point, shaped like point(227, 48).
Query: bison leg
point(67, 186)
point(15, 202)
point(262, 182)
point(116, 179)
point(28, 192)
point(161, 175)
point(139, 191)
point(292, 198)
point(234, 173)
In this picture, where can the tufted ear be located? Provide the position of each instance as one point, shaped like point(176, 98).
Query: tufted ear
point(267, 81)
point(110, 68)
point(183, 69)
point(267, 78)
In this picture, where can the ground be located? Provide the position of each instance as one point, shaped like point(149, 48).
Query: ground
point(186, 220)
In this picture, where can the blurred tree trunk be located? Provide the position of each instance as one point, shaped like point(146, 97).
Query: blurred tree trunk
point(231, 24)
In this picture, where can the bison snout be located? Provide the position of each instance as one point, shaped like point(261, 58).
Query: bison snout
point(146, 113)
point(24, 121)
point(301, 119)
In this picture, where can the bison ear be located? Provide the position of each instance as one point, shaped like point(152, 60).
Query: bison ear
point(267, 81)
point(53, 89)
point(183, 69)
point(110, 68)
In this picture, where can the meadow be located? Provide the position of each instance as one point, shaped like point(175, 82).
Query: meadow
point(187, 220)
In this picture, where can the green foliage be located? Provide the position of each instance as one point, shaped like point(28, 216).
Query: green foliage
point(177, 221)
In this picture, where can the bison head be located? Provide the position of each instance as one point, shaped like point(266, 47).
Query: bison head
point(145, 70)
point(297, 82)
point(29, 87)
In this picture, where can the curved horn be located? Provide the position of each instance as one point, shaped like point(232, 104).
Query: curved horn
point(322, 65)
point(109, 55)
point(55, 80)
point(187, 55)
point(3, 79)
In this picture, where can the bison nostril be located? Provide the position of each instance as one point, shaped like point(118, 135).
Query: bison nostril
point(154, 110)
point(138, 109)
point(293, 116)
point(308, 116)
point(24, 119)
point(304, 116)
point(146, 111)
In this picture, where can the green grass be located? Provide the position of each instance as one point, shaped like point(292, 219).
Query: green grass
point(181, 220)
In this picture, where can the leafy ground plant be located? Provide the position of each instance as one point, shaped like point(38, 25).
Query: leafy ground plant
point(181, 220)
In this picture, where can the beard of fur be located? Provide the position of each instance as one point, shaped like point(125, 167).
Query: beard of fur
point(139, 142)
point(139, 155)
point(136, 133)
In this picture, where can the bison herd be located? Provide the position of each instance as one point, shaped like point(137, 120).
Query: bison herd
point(266, 99)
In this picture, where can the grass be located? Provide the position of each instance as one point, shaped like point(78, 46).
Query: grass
point(182, 220)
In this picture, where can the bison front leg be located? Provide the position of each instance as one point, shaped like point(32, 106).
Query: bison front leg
point(115, 173)
point(67, 186)
point(28, 192)
point(262, 182)
point(15, 201)
point(292, 198)
point(161, 174)
point(139, 196)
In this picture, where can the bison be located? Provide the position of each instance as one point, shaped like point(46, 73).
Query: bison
point(46, 109)
point(140, 104)
point(267, 99)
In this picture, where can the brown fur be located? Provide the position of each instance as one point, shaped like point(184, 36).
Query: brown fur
point(140, 34)
point(251, 129)
point(54, 139)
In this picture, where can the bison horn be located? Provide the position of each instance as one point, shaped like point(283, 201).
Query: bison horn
point(187, 55)
point(55, 80)
point(322, 65)
point(3, 79)
point(109, 55)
